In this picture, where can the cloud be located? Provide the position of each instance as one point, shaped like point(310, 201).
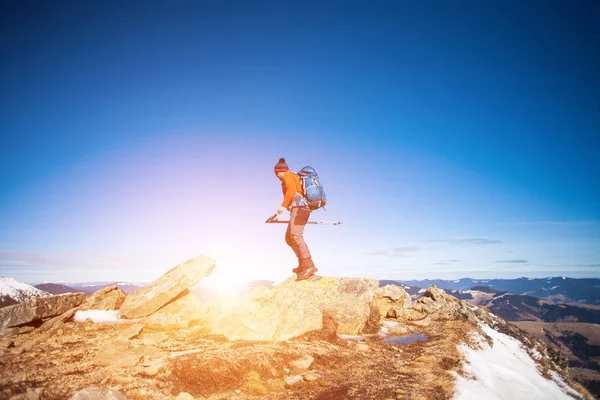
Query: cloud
point(571, 266)
point(14, 261)
point(395, 252)
point(466, 241)
point(512, 261)
point(553, 223)
point(446, 262)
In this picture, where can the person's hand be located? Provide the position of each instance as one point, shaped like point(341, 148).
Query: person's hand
point(280, 210)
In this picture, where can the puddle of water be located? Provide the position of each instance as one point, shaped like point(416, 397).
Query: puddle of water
point(406, 339)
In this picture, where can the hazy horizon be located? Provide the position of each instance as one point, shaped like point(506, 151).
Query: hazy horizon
point(207, 281)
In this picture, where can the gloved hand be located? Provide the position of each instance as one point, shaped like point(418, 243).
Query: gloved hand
point(280, 210)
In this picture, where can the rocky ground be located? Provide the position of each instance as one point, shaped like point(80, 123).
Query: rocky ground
point(324, 338)
point(145, 363)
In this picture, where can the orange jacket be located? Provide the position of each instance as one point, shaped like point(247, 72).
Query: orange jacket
point(291, 187)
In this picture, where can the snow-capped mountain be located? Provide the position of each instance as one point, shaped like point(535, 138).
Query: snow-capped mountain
point(13, 291)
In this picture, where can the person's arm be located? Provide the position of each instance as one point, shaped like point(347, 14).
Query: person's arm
point(288, 184)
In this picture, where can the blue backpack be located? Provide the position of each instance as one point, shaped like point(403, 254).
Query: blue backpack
point(313, 190)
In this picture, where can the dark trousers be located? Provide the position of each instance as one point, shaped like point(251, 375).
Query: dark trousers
point(293, 235)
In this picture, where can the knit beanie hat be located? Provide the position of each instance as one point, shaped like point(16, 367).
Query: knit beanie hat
point(281, 166)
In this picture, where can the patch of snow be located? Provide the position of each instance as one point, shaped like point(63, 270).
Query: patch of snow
point(553, 287)
point(456, 281)
point(98, 316)
point(505, 371)
point(422, 290)
point(19, 290)
point(406, 287)
point(351, 337)
point(534, 353)
point(473, 293)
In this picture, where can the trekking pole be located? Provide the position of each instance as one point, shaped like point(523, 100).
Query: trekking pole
point(273, 220)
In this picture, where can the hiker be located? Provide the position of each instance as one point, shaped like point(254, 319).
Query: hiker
point(299, 214)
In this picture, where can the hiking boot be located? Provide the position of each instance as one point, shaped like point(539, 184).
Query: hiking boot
point(306, 269)
point(303, 263)
point(307, 273)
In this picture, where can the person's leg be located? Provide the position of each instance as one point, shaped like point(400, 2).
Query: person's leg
point(294, 235)
point(306, 266)
point(289, 239)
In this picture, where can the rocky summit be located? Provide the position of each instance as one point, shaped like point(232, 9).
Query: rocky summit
point(324, 338)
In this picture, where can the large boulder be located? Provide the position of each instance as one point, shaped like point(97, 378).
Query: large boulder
point(178, 313)
point(147, 300)
point(391, 300)
point(39, 309)
point(108, 298)
point(292, 309)
point(258, 316)
point(437, 304)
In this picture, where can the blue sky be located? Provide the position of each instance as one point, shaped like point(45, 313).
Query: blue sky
point(454, 139)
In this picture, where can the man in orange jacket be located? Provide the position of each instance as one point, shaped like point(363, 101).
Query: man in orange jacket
point(299, 214)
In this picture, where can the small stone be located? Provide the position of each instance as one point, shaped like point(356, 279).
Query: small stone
point(238, 391)
point(154, 368)
point(60, 332)
point(99, 393)
point(303, 363)
point(310, 377)
point(132, 331)
point(292, 380)
point(6, 343)
point(184, 396)
point(362, 347)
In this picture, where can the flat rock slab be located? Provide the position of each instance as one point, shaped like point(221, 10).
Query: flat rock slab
point(292, 309)
point(38, 309)
point(256, 318)
point(349, 301)
point(149, 299)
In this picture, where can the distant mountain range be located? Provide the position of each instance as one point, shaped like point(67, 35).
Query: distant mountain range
point(56, 288)
point(557, 289)
point(88, 288)
point(517, 307)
